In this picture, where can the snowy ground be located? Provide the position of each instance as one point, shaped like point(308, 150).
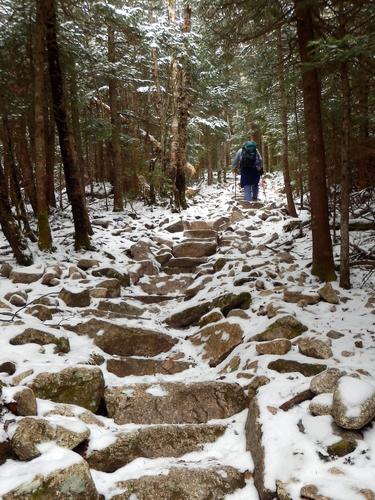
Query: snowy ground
point(296, 458)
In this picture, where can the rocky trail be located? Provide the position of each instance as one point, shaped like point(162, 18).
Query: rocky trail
point(188, 357)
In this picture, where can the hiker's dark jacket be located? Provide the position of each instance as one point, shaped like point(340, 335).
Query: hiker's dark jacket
point(249, 176)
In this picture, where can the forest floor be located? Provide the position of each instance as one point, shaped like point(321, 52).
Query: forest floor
point(154, 364)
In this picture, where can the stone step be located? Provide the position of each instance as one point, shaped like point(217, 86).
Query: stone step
point(152, 442)
point(195, 248)
point(183, 265)
point(123, 367)
point(165, 285)
point(174, 402)
point(185, 482)
point(200, 234)
point(124, 340)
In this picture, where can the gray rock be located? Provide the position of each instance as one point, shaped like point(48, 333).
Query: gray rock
point(24, 402)
point(153, 442)
point(123, 367)
point(174, 403)
point(218, 341)
point(73, 483)
point(41, 337)
point(277, 346)
point(31, 432)
point(314, 348)
point(73, 298)
point(184, 483)
point(326, 381)
point(329, 294)
point(124, 340)
point(287, 327)
point(82, 386)
point(353, 403)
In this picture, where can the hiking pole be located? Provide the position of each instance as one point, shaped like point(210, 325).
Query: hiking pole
point(235, 184)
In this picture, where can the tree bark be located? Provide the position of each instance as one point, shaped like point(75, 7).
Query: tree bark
point(322, 258)
point(345, 167)
point(15, 191)
point(10, 229)
point(284, 125)
point(23, 155)
point(73, 183)
point(116, 127)
point(44, 231)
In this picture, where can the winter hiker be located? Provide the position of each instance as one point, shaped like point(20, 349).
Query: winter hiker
point(250, 162)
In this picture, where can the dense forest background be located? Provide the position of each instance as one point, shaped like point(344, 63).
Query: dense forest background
point(140, 98)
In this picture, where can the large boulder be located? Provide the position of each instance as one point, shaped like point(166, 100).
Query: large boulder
point(329, 294)
point(75, 297)
point(286, 327)
point(295, 294)
point(166, 285)
point(125, 340)
point(110, 273)
point(314, 348)
point(141, 251)
point(183, 483)
point(353, 403)
point(25, 275)
point(41, 337)
point(31, 432)
point(225, 303)
point(153, 442)
point(218, 341)
point(174, 403)
point(191, 248)
point(82, 386)
point(326, 381)
point(123, 367)
point(277, 346)
point(121, 308)
point(63, 475)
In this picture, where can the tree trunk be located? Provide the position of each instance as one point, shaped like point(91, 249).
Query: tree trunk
point(10, 229)
point(24, 160)
point(116, 127)
point(345, 167)
point(44, 231)
point(322, 259)
point(74, 107)
point(284, 125)
point(73, 183)
point(15, 191)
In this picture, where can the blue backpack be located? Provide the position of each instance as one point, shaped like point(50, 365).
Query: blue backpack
point(249, 155)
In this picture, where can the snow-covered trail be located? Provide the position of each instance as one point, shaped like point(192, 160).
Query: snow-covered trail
point(144, 354)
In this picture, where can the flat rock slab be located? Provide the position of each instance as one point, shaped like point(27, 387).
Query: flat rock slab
point(286, 327)
point(225, 303)
point(124, 340)
point(194, 248)
point(122, 307)
point(164, 285)
point(289, 366)
point(174, 403)
point(40, 337)
point(184, 484)
point(218, 341)
point(153, 442)
point(203, 234)
point(123, 367)
point(82, 386)
point(187, 263)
